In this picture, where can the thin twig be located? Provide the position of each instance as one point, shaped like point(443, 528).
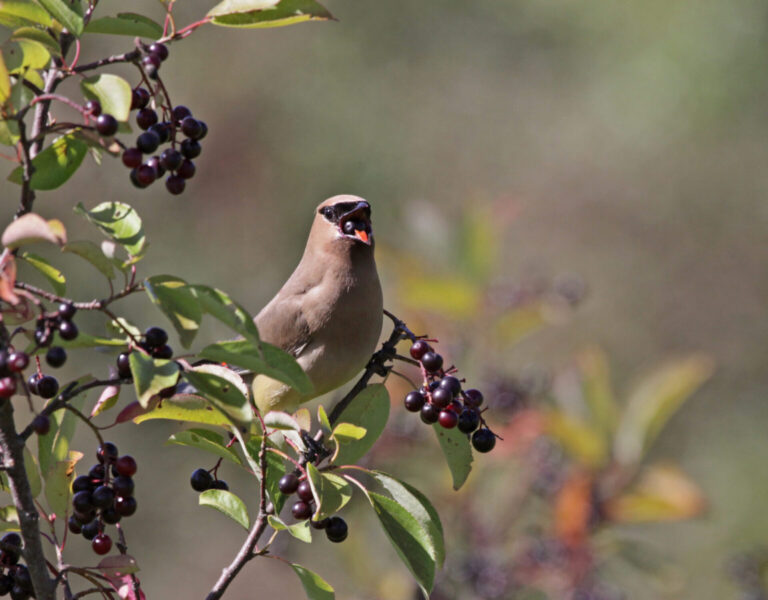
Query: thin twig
point(131, 56)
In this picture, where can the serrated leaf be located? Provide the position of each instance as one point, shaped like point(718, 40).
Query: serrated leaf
point(315, 587)
point(189, 408)
point(346, 433)
point(227, 503)
point(31, 228)
point(220, 306)
point(119, 222)
point(150, 375)
point(206, 440)
point(113, 92)
point(47, 270)
point(37, 35)
point(331, 492)
point(54, 165)
point(33, 473)
point(369, 410)
point(267, 13)
point(457, 451)
point(69, 14)
point(20, 13)
point(223, 393)
point(93, 254)
point(178, 303)
point(132, 24)
point(300, 530)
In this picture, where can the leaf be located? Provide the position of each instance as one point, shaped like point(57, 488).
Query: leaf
point(51, 273)
point(266, 13)
point(33, 473)
point(108, 397)
point(23, 57)
point(448, 296)
point(480, 246)
point(315, 586)
point(86, 340)
point(654, 401)
point(132, 24)
point(457, 451)
point(119, 222)
point(178, 303)
point(264, 359)
point(581, 441)
point(117, 565)
point(207, 440)
point(69, 14)
point(113, 92)
point(93, 254)
point(220, 306)
point(54, 445)
point(369, 410)
point(598, 394)
point(9, 519)
point(54, 165)
point(58, 484)
point(37, 35)
point(19, 13)
point(30, 228)
point(228, 503)
point(150, 375)
point(346, 433)
point(10, 128)
point(223, 393)
point(322, 417)
point(331, 492)
point(188, 408)
point(285, 424)
point(300, 530)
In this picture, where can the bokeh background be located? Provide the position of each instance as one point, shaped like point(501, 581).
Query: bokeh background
point(618, 146)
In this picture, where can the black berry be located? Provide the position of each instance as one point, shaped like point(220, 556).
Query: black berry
point(110, 515)
point(68, 330)
point(6, 584)
point(67, 310)
point(41, 424)
point(305, 491)
point(123, 486)
point(154, 162)
point(469, 419)
point(47, 386)
point(301, 510)
point(162, 131)
point(97, 474)
point(18, 361)
point(106, 124)
point(93, 107)
point(180, 112)
point(74, 525)
point(164, 351)
point(171, 159)
point(125, 506)
point(336, 530)
point(414, 401)
point(432, 361)
point(159, 49)
point(473, 398)
point(186, 169)
point(132, 158)
point(288, 483)
point(32, 383)
point(441, 397)
point(56, 356)
point(106, 453)
point(201, 480)
point(191, 148)
point(148, 142)
point(124, 365)
point(191, 127)
point(91, 530)
point(220, 484)
point(155, 336)
point(139, 98)
point(204, 131)
point(430, 413)
point(82, 502)
point(483, 440)
point(175, 184)
point(103, 496)
point(451, 383)
point(145, 118)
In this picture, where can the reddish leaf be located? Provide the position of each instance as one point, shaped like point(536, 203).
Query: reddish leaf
point(8, 278)
point(573, 509)
point(118, 565)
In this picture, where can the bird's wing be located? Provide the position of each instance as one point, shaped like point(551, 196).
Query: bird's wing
point(282, 323)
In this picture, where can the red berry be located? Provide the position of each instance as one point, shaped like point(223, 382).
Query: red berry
point(448, 419)
point(305, 491)
point(432, 361)
point(145, 175)
point(126, 465)
point(419, 348)
point(7, 387)
point(132, 158)
point(18, 361)
point(101, 544)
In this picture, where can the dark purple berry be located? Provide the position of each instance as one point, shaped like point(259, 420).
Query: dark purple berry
point(123, 486)
point(41, 424)
point(321, 524)
point(432, 361)
point(452, 384)
point(106, 453)
point(145, 118)
point(148, 142)
point(32, 383)
point(160, 49)
point(106, 125)
point(135, 179)
point(145, 175)
point(164, 351)
point(155, 336)
point(18, 361)
point(473, 398)
point(441, 397)
point(150, 69)
point(67, 311)
point(11, 539)
point(125, 506)
point(43, 337)
point(6, 584)
point(151, 60)
point(219, 484)
point(305, 491)
point(419, 348)
point(186, 169)
point(91, 530)
point(430, 413)
point(56, 356)
point(414, 401)
point(74, 525)
point(191, 127)
point(204, 131)
point(191, 148)
point(47, 386)
point(132, 158)
point(97, 474)
point(103, 496)
point(201, 480)
point(93, 107)
point(139, 98)
point(288, 483)
point(126, 466)
point(162, 131)
point(180, 112)
point(124, 365)
point(175, 184)
point(154, 162)
point(81, 484)
point(336, 530)
point(448, 419)
point(22, 579)
point(469, 419)
point(171, 159)
point(483, 440)
point(4, 370)
point(301, 510)
point(68, 330)
point(102, 543)
point(82, 502)
point(110, 515)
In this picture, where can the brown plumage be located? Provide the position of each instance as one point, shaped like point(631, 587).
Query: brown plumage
point(329, 312)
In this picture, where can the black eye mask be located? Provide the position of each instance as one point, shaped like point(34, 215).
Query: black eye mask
point(334, 213)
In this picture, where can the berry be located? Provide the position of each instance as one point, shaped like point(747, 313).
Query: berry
point(151, 60)
point(4, 370)
point(125, 507)
point(47, 386)
point(132, 158)
point(97, 474)
point(180, 112)
point(162, 131)
point(68, 330)
point(106, 453)
point(7, 387)
point(23, 579)
point(74, 525)
point(126, 466)
point(124, 486)
point(419, 348)
point(145, 175)
point(430, 413)
point(139, 98)
point(32, 383)
point(103, 496)
point(441, 397)
point(67, 311)
point(110, 515)
point(305, 491)
point(414, 401)
point(219, 484)
point(93, 107)
point(102, 544)
point(175, 184)
point(43, 337)
point(336, 530)
point(82, 502)
point(191, 148)
point(81, 484)
point(301, 510)
point(469, 419)
point(164, 351)
point(41, 424)
point(191, 127)
point(10, 541)
point(56, 356)
point(452, 384)
point(150, 68)
point(288, 483)
point(159, 49)
point(146, 117)
point(204, 131)
point(135, 179)
point(448, 419)
point(321, 524)
point(148, 142)
point(483, 440)
point(473, 398)
point(186, 169)
point(154, 162)
point(201, 480)
point(171, 159)
point(155, 336)
point(432, 361)
point(18, 361)
point(124, 365)
point(91, 530)
point(106, 124)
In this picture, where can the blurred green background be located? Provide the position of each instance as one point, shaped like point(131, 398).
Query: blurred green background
point(623, 142)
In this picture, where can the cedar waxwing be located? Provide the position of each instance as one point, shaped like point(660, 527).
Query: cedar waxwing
point(329, 313)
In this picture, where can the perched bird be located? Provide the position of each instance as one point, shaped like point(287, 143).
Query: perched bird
point(329, 313)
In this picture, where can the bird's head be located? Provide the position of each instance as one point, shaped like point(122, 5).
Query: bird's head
point(346, 218)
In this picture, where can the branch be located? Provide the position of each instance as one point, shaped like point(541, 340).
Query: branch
point(246, 552)
point(90, 305)
point(131, 56)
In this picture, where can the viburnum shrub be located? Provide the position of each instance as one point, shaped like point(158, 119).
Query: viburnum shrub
point(307, 463)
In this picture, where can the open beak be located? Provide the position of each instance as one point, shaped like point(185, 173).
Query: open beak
point(359, 219)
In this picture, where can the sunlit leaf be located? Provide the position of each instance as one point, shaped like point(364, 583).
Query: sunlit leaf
point(112, 92)
point(182, 407)
point(598, 394)
point(300, 530)
point(47, 270)
point(206, 440)
point(224, 393)
point(579, 439)
point(220, 306)
point(151, 375)
point(266, 13)
point(9, 519)
point(69, 14)
point(20, 13)
point(33, 473)
point(119, 222)
point(457, 451)
point(37, 35)
point(315, 587)
point(58, 483)
point(322, 417)
point(24, 55)
point(108, 397)
point(346, 433)
point(118, 564)
point(178, 303)
point(331, 492)
point(31, 228)
point(54, 165)
point(370, 411)
point(93, 254)
point(132, 24)
point(227, 503)
point(10, 129)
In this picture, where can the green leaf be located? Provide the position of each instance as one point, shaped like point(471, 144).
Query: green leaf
point(24, 55)
point(93, 254)
point(275, 470)
point(369, 410)
point(119, 222)
point(10, 128)
point(37, 35)
point(285, 424)
point(179, 304)
point(150, 375)
point(58, 484)
point(480, 243)
point(188, 408)
point(457, 451)
point(31, 228)
point(322, 416)
point(9, 519)
point(300, 530)
point(220, 306)
point(113, 92)
point(85, 340)
point(315, 586)
point(19, 13)
point(69, 14)
point(119, 326)
point(47, 270)
point(108, 397)
point(331, 492)
point(207, 440)
point(346, 433)
point(596, 386)
point(582, 441)
point(33, 473)
point(132, 24)
point(223, 392)
point(267, 13)
point(264, 359)
point(228, 503)
point(54, 165)
point(54, 445)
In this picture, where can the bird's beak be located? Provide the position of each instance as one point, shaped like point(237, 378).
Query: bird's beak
point(360, 218)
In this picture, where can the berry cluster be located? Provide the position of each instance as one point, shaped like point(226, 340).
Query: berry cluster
point(335, 527)
point(14, 578)
point(104, 496)
point(202, 480)
point(60, 321)
point(155, 343)
point(442, 400)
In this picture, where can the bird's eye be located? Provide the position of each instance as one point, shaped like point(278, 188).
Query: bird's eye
point(327, 212)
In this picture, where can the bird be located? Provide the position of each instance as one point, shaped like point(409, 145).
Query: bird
point(329, 312)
